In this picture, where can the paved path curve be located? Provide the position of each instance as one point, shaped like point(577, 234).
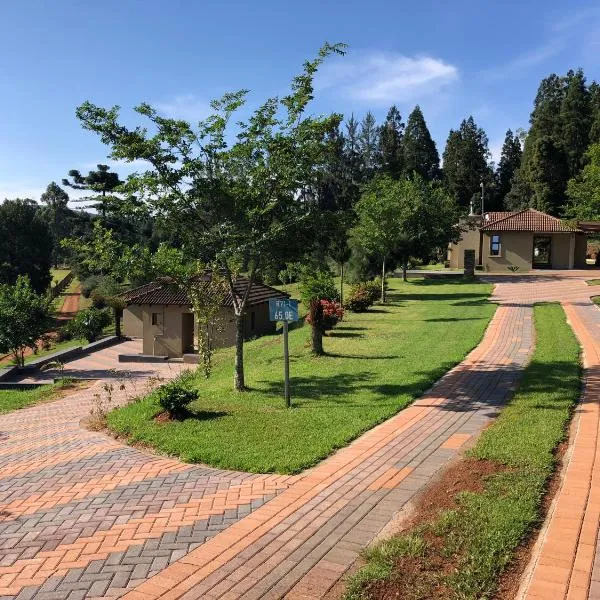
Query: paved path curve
point(85, 517)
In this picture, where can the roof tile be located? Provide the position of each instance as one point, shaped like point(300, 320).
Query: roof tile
point(527, 220)
point(162, 292)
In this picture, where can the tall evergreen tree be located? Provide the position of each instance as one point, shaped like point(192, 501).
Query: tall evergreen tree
point(368, 140)
point(102, 183)
point(576, 121)
point(390, 144)
point(510, 161)
point(548, 175)
point(56, 214)
point(466, 162)
point(594, 91)
point(420, 152)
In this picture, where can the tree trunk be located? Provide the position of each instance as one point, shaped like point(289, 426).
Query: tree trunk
point(383, 297)
point(316, 338)
point(239, 383)
point(342, 284)
point(404, 267)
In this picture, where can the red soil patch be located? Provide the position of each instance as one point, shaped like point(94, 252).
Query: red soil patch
point(421, 578)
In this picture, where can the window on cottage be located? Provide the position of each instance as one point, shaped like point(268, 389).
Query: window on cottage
point(495, 245)
point(156, 319)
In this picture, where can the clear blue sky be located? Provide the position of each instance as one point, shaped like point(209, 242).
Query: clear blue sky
point(453, 58)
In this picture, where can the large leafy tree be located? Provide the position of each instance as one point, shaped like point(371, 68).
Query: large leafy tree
point(391, 134)
point(238, 197)
point(510, 161)
point(419, 150)
point(25, 244)
point(410, 217)
point(24, 317)
point(583, 191)
point(466, 159)
point(102, 185)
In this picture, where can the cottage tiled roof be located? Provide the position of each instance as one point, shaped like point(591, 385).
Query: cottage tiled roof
point(164, 292)
point(528, 220)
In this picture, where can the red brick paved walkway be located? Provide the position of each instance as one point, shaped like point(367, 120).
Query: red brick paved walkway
point(565, 562)
point(85, 517)
point(82, 516)
point(299, 544)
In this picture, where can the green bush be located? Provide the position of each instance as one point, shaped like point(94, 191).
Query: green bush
point(374, 289)
point(359, 299)
point(175, 397)
point(98, 299)
point(88, 324)
point(89, 284)
point(64, 334)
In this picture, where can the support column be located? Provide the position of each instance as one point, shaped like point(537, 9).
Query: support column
point(571, 251)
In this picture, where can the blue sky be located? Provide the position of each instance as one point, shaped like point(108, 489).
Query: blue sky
point(453, 58)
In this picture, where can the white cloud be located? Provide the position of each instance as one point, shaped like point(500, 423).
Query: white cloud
point(188, 107)
point(384, 77)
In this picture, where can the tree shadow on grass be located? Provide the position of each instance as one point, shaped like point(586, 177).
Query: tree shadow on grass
point(344, 334)
point(201, 415)
point(454, 319)
point(362, 356)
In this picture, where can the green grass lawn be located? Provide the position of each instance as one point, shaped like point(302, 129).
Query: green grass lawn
point(14, 399)
point(593, 281)
point(377, 363)
point(58, 275)
point(484, 531)
point(596, 300)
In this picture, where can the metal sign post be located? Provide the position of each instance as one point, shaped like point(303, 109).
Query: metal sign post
point(285, 310)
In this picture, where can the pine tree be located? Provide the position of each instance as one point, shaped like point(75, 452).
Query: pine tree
point(546, 124)
point(548, 175)
point(510, 161)
point(466, 162)
point(390, 144)
point(420, 152)
point(594, 91)
point(368, 143)
point(576, 121)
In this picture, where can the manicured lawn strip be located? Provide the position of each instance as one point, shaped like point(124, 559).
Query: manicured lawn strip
point(14, 399)
point(593, 281)
point(486, 528)
point(58, 275)
point(596, 300)
point(378, 363)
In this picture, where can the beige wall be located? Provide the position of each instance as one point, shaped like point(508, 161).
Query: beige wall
point(469, 241)
point(516, 249)
point(163, 339)
point(133, 324)
point(561, 250)
point(580, 250)
point(166, 339)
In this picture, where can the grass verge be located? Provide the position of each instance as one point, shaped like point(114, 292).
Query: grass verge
point(462, 551)
point(15, 399)
point(378, 362)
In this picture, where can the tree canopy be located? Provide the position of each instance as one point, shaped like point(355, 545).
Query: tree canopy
point(237, 196)
point(25, 244)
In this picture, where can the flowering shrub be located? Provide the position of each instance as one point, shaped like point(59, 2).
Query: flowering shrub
point(360, 298)
point(333, 313)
